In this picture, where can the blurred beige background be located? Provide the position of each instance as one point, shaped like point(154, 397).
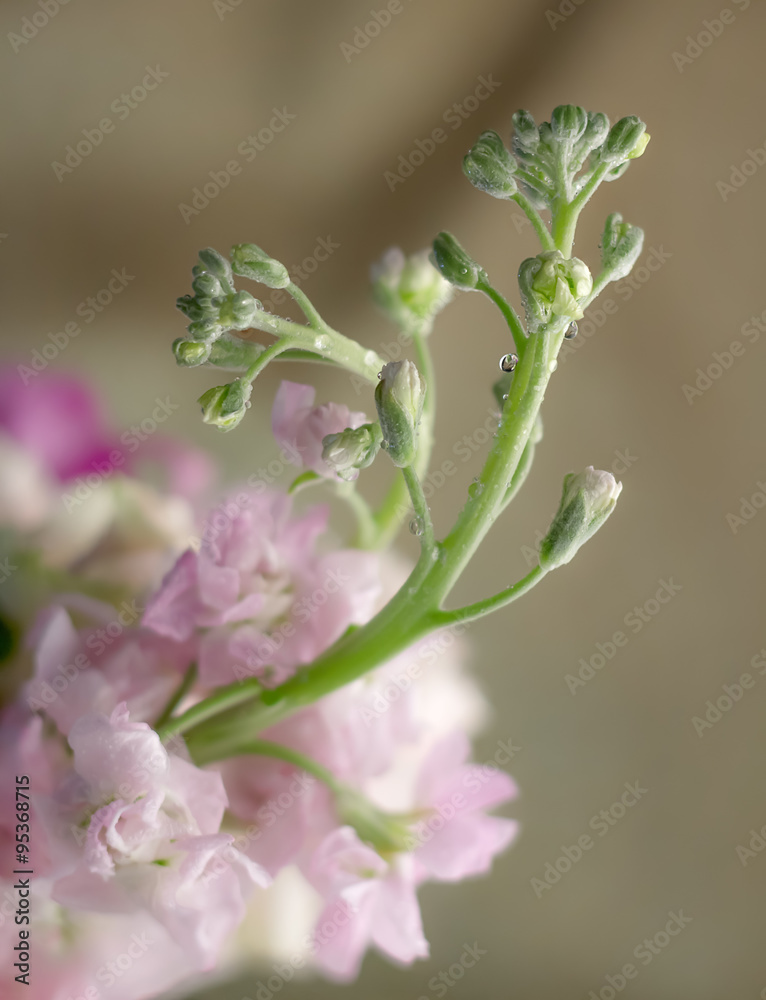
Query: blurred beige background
point(620, 391)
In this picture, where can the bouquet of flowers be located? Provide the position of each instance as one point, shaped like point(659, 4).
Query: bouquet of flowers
point(227, 735)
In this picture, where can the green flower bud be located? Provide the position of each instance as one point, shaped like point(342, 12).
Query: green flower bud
point(587, 501)
point(409, 288)
point(204, 329)
point(216, 264)
point(352, 449)
point(190, 307)
point(625, 140)
point(621, 246)
point(190, 353)
point(399, 398)
point(568, 122)
point(206, 285)
point(250, 261)
point(551, 286)
point(526, 135)
point(224, 406)
point(596, 130)
point(455, 264)
point(237, 311)
point(490, 167)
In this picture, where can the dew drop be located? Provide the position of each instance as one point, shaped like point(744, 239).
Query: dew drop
point(553, 366)
point(505, 395)
point(571, 332)
point(416, 526)
point(508, 362)
point(369, 358)
point(321, 343)
point(475, 489)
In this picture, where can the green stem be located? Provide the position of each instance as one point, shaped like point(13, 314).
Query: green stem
point(178, 695)
point(567, 213)
point(543, 233)
point(221, 699)
point(480, 608)
point(265, 748)
point(420, 506)
point(306, 306)
point(366, 526)
point(509, 313)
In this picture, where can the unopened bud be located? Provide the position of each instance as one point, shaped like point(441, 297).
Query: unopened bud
point(190, 353)
point(568, 122)
point(409, 288)
point(587, 501)
point(455, 265)
point(525, 134)
point(399, 398)
point(352, 449)
point(216, 264)
point(621, 246)
point(250, 261)
point(490, 167)
point(625, 140)
point(551, 285)
point(224, 405)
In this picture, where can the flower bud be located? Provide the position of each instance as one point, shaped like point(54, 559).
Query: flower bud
point(490, 167)
point(454, 263)
point(204, 329)
point(234, 355)
point(399, 398)
point(587, 501)
point(525, 133)
point(409, 288)
point(190, 353)
point(250, 261)
point(216, 264)
point(551, 286)
point(206, 285)
point(568, 122)
point(625, 140)
point(190, 307)
point(596, 130)
point(224, 406)
point(621, 246)
point(351, 450)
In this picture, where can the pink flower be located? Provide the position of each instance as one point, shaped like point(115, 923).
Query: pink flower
point(454, 838)
point(97, 668)
point(299, 426)
point(258, 599)
point(151, 839)
point(369, 901)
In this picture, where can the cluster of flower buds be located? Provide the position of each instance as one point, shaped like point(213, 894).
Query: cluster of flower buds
point(553, 286)
point(553, 153)
point(409, 289)
point(213, 309)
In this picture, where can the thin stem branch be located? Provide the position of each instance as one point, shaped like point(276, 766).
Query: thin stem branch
point(266, 748)
point(543, 233)
point(481, 608)
point(420, 506)
point(307, 307)
point(510, 315)
point(178, 695)
point(222, 698)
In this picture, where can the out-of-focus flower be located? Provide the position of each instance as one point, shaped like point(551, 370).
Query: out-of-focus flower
point(257, 597)
point(300, 427)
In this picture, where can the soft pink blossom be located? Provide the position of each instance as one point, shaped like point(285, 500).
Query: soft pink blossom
point(257, 597)
point(299, 426)
point(368, 901)
point(151, 837)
